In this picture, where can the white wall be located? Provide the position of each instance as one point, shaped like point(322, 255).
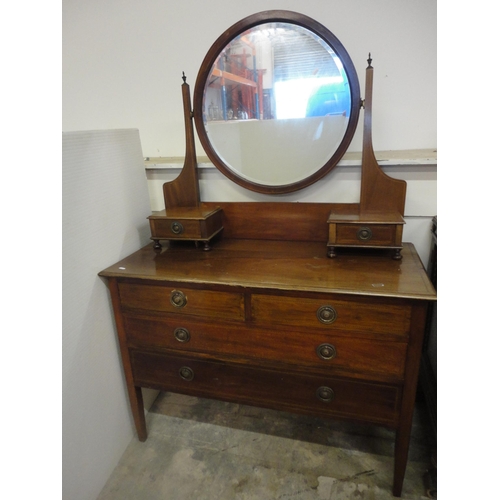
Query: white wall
point(105, 205)
point(123, 62)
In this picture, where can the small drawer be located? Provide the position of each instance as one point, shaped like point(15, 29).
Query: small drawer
point(328, 396)
point(182, 300)
point(335, 314)
point(366, 234)
point(318, 350)
point(187, 224)
point(176, 229)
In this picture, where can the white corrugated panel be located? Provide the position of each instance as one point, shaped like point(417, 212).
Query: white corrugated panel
point(105, 205)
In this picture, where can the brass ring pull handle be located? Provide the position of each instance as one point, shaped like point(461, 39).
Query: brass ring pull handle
point(177, 227)
point(178, 299)
point(326, 314)
point(182, 334)
point(326, 351)
point(325, 394)
point(364, 234)
point(186, 373)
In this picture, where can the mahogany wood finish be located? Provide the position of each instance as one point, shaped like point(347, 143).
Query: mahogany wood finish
point(184, 190)
point(242, 323)
point(377, 222)
point(266, 318)
point(186, 223)
point(183, 218)
point(365, 229)
point(353, 355)
point(134, 391)
point(204, 303)
point(278, 221)
point(268, 388)
point(379, 192)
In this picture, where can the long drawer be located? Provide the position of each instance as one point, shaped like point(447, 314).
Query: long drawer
point(318, 395)
point(334, 314)
point(181, 300)
point(316, 349)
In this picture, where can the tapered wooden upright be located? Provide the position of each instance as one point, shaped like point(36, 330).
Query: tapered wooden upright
point(377, 222)
point(379, 192)
point(184, 218)
point(184, 191)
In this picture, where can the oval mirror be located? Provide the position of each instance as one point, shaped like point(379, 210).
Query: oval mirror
point(276, 102)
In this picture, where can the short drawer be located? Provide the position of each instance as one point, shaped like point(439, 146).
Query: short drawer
point(369, 234)
point(353, 315)
point(183, 301)
point(371, 402)
point(176, 229)
point(187, 224)
point(320, 350)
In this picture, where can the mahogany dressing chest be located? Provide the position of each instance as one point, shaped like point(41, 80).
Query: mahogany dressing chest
point(303, 307)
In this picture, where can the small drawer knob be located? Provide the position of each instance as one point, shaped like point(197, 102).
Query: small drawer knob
point(325, 394)
point(326, 314)
point(326, 351)
point(364, 234)
point(182, 334)
point(178, 299)
point(186, 373)
point(177, 227)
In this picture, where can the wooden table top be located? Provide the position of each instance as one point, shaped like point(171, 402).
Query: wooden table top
point(281, 265)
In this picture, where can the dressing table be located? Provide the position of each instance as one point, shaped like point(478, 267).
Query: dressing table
point(316, 308)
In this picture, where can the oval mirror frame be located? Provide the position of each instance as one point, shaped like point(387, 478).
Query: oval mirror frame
point(292, 18)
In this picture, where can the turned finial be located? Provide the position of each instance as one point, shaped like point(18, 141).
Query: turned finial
point(369, 59)
point(184, 77)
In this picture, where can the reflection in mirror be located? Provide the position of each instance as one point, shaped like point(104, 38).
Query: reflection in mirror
point(276, 102)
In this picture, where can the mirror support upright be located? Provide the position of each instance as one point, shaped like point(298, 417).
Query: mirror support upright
point(184, 191)
point(379, 192)
point(184, 219)
point(378, 220)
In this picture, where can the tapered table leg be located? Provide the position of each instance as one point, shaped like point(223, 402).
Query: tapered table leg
point(137, 407)
point(400, 460)
point(134, 392)
point(403, 432)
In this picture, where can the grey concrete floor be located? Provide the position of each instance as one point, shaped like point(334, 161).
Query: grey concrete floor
point(210, 450)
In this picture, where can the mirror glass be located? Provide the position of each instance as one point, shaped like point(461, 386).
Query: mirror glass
point(277, 105)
